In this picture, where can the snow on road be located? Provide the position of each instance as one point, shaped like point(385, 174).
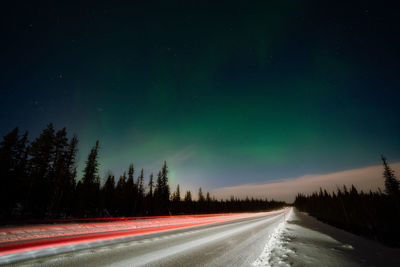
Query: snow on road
point(171, 250)
point(275, 250)
point(304, 241)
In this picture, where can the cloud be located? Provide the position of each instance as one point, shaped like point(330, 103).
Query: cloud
point(368, 178)
point(182, 155)
point(178, 157)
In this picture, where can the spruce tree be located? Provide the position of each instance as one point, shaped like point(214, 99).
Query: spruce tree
point(108, 194)
point(92, 166)
point(158, 190)
point(131, 172)
point(188, 206)
point(164, 182)
point(140, 185)
point(150, 196)
point(392, 186)
point(188, 196)
point(69, 184)
point(21, 175)
point(90, 183)
point(58, 174)
point(122, 196)
point(151, 184)
point(132, 190)
point(140, 194)
point(41, 154)
point(165, 191)
point(208, 197)
point(201, 196)
point(177, 195)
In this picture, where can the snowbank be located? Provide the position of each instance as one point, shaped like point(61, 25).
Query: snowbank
point(305, 241)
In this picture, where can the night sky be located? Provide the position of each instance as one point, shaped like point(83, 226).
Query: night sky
point(227, 93)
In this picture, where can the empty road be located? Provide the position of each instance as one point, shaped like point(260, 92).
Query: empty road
point(207, 240)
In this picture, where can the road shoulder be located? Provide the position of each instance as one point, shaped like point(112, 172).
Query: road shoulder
point(305, 241)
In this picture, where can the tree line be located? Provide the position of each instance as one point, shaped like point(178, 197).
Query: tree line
point(372, 214)
point(39, 180)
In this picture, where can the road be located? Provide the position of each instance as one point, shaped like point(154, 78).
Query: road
point(215, 240)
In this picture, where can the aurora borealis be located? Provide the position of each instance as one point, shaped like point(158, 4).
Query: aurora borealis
point(228, 93)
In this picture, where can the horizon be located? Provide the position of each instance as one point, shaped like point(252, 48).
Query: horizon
point(366, 179)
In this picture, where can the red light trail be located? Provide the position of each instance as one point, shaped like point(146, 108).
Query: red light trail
point(28, 238)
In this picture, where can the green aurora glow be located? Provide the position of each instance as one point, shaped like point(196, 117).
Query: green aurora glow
point(226, 94)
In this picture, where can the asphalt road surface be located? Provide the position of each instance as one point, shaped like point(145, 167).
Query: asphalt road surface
point(235, 242)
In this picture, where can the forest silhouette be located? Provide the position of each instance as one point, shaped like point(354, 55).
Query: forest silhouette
point(39, 180)
point(372, 214)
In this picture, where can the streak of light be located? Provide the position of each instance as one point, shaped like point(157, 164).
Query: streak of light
point(29, 238)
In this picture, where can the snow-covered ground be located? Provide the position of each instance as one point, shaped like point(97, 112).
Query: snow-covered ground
point(304, 241)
